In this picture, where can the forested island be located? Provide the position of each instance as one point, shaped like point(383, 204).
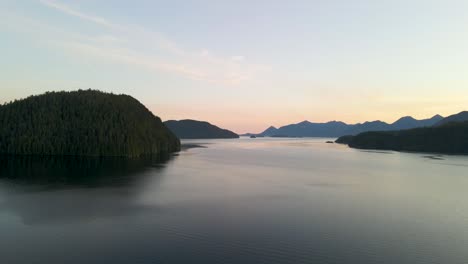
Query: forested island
point(83, 123)
point(449, 138)
point(193, 129)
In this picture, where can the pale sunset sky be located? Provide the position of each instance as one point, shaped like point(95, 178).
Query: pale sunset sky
point(244, 65)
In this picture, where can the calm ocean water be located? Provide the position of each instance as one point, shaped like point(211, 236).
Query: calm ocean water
point(238, 201)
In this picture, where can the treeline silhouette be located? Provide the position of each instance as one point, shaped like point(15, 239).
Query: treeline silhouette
point(190, 129)
point(450, 138)
point(82, 123)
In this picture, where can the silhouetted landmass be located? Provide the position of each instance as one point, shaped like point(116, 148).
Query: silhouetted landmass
point(344, 139)
point(269, 131)
point(337, 128)
point(308, 129)
point(83, 123)
point(450, 138)
point(460, 117)
point(193, 129)
point(409, 122)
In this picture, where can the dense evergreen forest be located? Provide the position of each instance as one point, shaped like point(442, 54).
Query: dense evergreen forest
point(450, 138)
point(82, 123)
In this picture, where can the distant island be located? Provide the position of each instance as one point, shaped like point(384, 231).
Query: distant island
point(337, 128)
point(83, 123)
point(447, 136)
point(193, 129)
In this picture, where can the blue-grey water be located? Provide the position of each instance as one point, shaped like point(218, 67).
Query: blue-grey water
point(238, 201)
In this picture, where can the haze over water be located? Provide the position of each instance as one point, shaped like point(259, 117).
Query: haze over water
point(240, 201)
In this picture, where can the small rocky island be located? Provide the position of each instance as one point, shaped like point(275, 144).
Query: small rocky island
point(83, 123)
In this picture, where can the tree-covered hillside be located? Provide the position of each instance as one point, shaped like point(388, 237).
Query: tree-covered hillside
point(451, 138)
point(82, 123)
point(198, 129)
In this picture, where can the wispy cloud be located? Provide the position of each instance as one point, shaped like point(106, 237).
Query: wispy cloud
point(126, 56)
point(67, 10)
point(154, 37)
point(120, 42)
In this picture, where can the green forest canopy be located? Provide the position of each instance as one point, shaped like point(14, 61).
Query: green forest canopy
point(82, 123)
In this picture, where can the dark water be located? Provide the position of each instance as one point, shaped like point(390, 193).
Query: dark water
point(237, 201)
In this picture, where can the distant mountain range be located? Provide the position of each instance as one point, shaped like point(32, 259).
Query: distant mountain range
point(193, 129)
point(338, 129)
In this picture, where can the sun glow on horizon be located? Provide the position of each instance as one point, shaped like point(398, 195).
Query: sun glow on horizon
point(245, 69)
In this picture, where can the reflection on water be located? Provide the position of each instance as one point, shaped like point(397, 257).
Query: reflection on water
point(237, 201)
point(74, 171)
point(51, 189)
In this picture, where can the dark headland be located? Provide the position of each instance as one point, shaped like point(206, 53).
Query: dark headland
point(448, 138)
point(83, 123)
point(193, 129)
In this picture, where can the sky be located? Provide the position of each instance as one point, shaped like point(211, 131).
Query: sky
point(244, 65)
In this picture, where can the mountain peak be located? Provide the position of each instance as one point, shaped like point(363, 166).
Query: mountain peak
point(460, 117)
point(305, 122)
point(406, 118)
point(336, 122)
point(405, 122)
point(269, 131)
point(373, 122)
